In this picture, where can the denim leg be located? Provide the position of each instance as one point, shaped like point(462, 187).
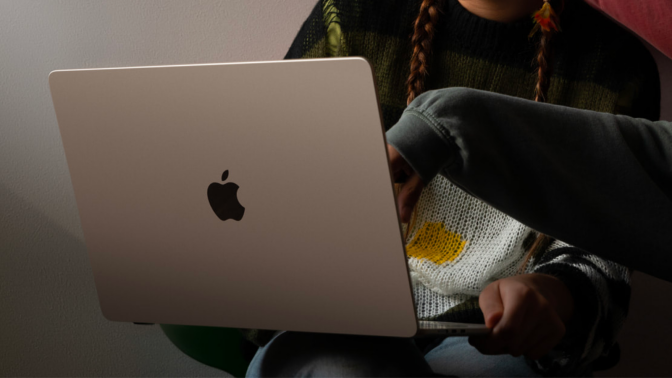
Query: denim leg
point(454, 356)
point(295, 354)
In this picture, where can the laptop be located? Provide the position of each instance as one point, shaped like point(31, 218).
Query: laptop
point(246, 195)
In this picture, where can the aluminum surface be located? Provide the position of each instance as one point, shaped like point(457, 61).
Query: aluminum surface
point(319, 247)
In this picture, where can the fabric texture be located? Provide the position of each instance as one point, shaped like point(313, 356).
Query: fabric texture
point(459, 244)
point(650, 19)
point(619, 165)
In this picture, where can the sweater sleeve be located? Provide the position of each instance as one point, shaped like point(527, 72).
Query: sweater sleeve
point(309, 41)
point(601, 182)
point(601, 293)
point(320, 35)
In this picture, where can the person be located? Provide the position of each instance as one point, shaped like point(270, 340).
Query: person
point(621, 166)
point(638, 149)
point(553, 308)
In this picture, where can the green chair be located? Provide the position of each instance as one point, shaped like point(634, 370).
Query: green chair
point(222, 348)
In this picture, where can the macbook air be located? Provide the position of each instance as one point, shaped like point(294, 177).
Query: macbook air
point(247, 195)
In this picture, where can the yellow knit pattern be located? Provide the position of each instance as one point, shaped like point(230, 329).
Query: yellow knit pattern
point(435, 243)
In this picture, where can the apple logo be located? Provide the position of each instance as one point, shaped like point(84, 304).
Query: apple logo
point(223, 199)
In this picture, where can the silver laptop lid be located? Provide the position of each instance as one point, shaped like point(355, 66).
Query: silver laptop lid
point(317, 246)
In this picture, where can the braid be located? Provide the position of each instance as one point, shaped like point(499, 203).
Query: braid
point(545, 69)
point(423, 33)
point(541, 242)
point(424, 28)
point(544, 57)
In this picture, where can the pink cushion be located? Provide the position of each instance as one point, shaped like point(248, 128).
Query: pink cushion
point(650, 19)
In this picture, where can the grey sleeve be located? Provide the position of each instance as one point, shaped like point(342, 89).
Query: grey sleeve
point(598, 181)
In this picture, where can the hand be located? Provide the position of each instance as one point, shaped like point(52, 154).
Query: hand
point(410, 182)
point(527, 315)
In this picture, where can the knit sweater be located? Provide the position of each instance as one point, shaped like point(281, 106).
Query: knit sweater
point(621, 166)
point(452, 132)
point(460, 244)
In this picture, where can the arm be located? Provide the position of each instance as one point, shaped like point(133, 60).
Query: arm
point(527, 314)
point(603, 182)
point(600, 290)
point(565, 312)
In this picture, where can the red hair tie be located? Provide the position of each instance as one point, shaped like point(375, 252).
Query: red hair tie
point(546, 19)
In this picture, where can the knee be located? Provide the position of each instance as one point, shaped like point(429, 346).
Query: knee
point(313, 355)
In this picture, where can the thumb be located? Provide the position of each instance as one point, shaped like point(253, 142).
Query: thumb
point(400, 168)
point(491, 304)
point(409, 195)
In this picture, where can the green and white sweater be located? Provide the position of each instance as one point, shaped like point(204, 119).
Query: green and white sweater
point(459, 243)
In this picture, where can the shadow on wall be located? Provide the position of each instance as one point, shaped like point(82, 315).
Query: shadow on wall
point(50, 319)
point(646, 337)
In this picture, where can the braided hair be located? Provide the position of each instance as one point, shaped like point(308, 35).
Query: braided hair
point(424, 29)
point(544, 71)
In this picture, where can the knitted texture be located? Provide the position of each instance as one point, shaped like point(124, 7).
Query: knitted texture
point(459, 244)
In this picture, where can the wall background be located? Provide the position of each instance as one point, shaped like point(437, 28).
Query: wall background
point(50, 322)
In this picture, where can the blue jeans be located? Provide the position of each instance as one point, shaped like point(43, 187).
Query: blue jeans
point(294, 354)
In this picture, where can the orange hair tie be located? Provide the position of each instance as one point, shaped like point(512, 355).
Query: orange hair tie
point(546, 19)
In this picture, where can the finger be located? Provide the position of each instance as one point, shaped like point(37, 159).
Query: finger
point(530, 333)
point(396, 161)
point(554, 335)
point(535, 338)
point(543, 347)
point(543, 323)
point(409, 195)
point(529, 330)
point(518, 300)
point(491, 304)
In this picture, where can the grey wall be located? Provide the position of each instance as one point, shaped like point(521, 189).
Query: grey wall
point(50, 323)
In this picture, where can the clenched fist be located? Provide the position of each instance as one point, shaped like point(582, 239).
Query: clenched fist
point(527, 315)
